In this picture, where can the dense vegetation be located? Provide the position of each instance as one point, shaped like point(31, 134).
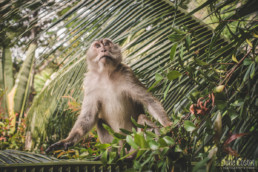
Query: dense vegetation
point(205, 74)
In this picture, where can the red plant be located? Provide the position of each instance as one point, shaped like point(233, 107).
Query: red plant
point(233, 137)
point(201, 108)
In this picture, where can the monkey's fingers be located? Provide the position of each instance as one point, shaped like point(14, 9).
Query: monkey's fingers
point(66, 145)
point(54, 146)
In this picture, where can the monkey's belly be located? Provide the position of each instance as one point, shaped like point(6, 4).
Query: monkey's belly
point(118, 112)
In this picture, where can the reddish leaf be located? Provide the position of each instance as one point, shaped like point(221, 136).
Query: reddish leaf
point(199, 101)
point(192, 109)
point(199, 111)
point(234, 137)
point(231, 151)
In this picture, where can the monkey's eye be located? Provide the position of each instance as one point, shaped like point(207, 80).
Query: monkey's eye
point(106, 44)
point(97, 45)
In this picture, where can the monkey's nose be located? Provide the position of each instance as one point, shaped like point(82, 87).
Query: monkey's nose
point(103, 50)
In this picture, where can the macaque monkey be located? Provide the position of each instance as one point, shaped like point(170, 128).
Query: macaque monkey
point(112, 95)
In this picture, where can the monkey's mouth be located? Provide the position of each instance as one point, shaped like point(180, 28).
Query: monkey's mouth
point(107, 57)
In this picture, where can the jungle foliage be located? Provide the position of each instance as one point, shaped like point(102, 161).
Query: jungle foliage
point(207, 83)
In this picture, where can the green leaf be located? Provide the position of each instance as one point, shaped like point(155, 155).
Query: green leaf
point(150, 134)
point(103, 146)
point(188, 41)
point(219, 89)
point(154, 85)
point(130, 141)
point(104, 156)
point(247, 61)
point(108, 129)
point(24, 79)
point(248, 73)
point(162, 142)
point(119, 136)
point(158, 77)
point(7, 70)
point(252, 70)
point(140, 140)
point(167, 89)
point(153, 145)
point(234, 58)
point(173, 51)
point(189, 126)
point(249, 42)
point(201, 166)
point(176, 37)
point(173, 75)
point(178, 149)
point(125, 131)
point(170, 141)
point(178, 31)
point(112, 157)
point(200, 62)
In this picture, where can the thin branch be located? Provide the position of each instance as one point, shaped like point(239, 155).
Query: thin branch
point(234, 68)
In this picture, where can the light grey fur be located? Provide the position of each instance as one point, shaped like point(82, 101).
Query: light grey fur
point(112, 95)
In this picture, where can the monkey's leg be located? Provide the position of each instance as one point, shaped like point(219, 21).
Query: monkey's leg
point(143, 119)
point(103, 134)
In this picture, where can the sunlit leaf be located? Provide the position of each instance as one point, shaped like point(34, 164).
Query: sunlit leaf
point(131, 142)
point(255, 35)
point(173, 51)
point(234, 58)
point(219, 88)
point(169, 140)
point(178, 149)
point(249, 42)
point(173, 75)
point(140, 140)
point(189, 126)
point(158, 77)
point(153, 145)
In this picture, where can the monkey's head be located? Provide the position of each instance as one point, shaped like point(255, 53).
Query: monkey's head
point(103, 54)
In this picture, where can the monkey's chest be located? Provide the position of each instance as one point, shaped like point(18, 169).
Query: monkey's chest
point(116, 108)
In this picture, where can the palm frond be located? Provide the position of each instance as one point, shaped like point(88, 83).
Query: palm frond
point(16, 157)
point(142, 28)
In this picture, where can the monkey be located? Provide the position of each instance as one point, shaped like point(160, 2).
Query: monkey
point(112, 95)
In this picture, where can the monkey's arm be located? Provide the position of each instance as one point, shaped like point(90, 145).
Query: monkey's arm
point(138, 92)
point(84, 123)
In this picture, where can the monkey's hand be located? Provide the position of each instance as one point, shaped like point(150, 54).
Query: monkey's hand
point(60, 144)
point(167, 123)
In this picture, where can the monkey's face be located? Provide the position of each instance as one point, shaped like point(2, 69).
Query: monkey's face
point(103, 53)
